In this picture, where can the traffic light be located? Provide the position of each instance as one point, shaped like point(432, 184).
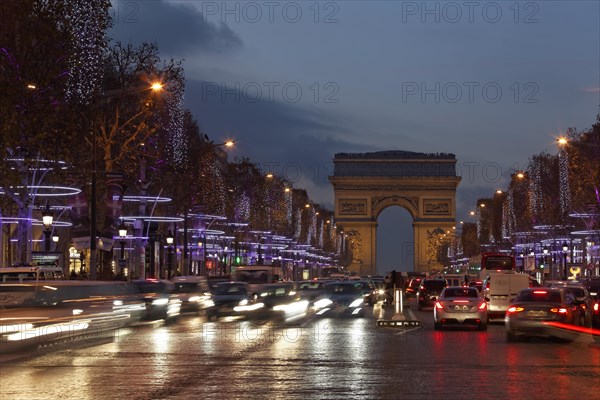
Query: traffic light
point(238, 260)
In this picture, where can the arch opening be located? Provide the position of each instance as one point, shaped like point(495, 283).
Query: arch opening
point(395, 240)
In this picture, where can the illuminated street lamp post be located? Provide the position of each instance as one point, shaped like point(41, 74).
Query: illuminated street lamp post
point(170, 253)
point(545, 252)
point(565, 249)
point(47, 219)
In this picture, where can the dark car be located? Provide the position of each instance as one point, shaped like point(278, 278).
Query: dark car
point(161, 300)
point(429, 291)
point(596, 318)
point(228, 297)
point(193, 292)
point(311, 290)
point(413, 286)
point(281, 301)
point(584, 300)
point(344, 298)
point(542, 311)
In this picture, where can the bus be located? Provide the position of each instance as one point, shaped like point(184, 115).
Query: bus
point(496, 262)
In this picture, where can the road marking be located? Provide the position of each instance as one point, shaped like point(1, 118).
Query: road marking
point(405, 331)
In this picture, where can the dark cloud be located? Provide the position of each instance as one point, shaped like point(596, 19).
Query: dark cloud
point(178, 29)
point(291, 140)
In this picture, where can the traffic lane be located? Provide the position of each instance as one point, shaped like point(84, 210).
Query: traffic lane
point(346, 358)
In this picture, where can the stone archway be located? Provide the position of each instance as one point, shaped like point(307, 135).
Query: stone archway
point(365, 184)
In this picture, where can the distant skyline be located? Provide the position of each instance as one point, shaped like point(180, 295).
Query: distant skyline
point(296, 82)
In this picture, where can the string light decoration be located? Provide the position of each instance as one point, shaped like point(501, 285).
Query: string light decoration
point(311, 227)
point(298, 229)
point(320, 241)
point(288, 208)
point(175, 110)
point(511, 216)
point(506, 231)
point(242, 208)
point(88, 21)
point(535, 183)
point(563, 179)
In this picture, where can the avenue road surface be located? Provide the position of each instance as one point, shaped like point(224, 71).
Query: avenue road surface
point(311, 358)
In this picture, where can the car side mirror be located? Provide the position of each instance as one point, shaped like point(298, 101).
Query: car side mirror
point(488, 299)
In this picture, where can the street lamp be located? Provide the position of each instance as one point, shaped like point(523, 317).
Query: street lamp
point(545, 251)
point(47, 219)
point(565, 248)
point(170, 252)
point(122, 236)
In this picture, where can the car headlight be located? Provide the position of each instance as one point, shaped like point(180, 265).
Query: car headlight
point(381, 291)
point(209, 303)
point(160, 302)
point(356, 303)
point(322, 303)
point(194, 299)
point(243, 302)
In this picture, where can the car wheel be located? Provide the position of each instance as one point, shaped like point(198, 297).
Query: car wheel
point(483, 326)
point(419, 307)
point(437, 326)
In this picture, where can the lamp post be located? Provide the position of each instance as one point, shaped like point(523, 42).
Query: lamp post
point(545, 252)
point(122, 236)
point(170, 253)
point(565, 249)
point(47, 219)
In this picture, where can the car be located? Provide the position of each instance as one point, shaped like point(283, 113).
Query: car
point(39, 313)
point(311, 290)
point(228, 297)
point(343, 298)
point(280, 301)
point(162, 302)
point(596, 319)
point(585, 302)
point(460, 306)
point(413, 286)
point(194, 293)
point(543, 311)
point(428, 292)
point(369, 291)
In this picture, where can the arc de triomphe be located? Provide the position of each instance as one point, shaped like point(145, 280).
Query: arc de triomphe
point(367, 183)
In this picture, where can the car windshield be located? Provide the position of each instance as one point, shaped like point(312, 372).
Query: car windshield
point(540, 296)
point(344, 289)
point(188, 287)
point(461, 292)
point(152, 287)
point(230, 289)
point(310, 286)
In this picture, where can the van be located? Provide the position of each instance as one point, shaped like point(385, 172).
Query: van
point(30, 274)
point(501, 289)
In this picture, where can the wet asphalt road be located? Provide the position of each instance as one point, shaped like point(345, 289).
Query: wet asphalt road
point(311, 358)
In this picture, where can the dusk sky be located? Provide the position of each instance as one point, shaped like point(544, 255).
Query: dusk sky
point(296, 82)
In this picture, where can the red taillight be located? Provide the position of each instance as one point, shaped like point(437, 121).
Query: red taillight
point(539, 292)
point(460, 301)
point(482, 306)
point(559, 310)
point(439, 305)
point(514, 309)
point(596, 307)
